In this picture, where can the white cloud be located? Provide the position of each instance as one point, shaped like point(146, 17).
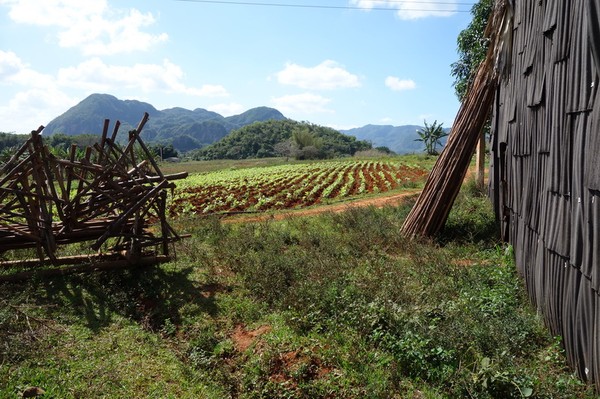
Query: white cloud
point(37, 99)
point(325, 76)
point(41, 97)
point(95, 75)
point(302, 104)
point(414, 9)
point(10, 65)
point(398, 84)
point(29, 109)
point(91, 26)
point(14, 71)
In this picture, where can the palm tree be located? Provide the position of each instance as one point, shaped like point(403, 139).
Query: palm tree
point(431, 136)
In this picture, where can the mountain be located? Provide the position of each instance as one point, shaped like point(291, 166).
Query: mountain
point(191, 129)
point(400, 139)
point(88, 116)
point(258, 114)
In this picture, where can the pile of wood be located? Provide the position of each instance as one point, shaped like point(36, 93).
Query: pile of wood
point(430, 212)
point(111, 196)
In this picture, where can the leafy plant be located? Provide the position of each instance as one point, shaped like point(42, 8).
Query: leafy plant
point(472, 47)
point(431, 136)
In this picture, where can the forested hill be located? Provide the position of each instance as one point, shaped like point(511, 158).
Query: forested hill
point(301, 140)
point(185, 129)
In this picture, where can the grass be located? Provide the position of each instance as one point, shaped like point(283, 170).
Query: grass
point(330, 306)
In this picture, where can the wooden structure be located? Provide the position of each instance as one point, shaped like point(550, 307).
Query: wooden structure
point(111, 196)
point(430, 212)
point(545, 168)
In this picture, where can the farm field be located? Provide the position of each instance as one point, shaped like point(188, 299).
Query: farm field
point(290, 186)
point(333, 305)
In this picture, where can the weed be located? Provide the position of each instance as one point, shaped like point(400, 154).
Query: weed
point(473, 188)
point(471, 220)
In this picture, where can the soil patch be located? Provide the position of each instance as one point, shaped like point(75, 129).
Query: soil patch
point(243, 339)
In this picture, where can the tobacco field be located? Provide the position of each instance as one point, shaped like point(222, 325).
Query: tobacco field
point(291, 186)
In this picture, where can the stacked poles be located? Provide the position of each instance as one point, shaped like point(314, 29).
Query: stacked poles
point(429, 214)
point(107, 194)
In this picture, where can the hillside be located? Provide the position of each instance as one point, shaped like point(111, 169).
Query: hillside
point(274, 138)
point(400, 139)
point(186, 129)
point(88, 116)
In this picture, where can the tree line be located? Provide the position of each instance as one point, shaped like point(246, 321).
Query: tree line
point(59, 145)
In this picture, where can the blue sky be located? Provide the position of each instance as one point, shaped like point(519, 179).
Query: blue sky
point(359, 62)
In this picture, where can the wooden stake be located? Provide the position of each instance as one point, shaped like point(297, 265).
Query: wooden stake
point(480, 161)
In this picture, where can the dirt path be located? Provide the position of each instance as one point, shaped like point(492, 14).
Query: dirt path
point(379, 202)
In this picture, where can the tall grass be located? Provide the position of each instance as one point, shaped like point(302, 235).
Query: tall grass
point(334, 306)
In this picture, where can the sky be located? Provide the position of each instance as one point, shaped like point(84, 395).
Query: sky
point(336, 63)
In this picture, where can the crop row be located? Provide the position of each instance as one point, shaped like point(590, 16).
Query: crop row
point(290, 186)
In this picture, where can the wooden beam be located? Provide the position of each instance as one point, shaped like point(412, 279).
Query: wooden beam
point(480, 161)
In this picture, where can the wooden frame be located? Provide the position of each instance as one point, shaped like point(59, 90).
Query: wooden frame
point(109, 193)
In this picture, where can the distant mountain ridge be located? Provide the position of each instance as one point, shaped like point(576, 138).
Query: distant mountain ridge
point(191, 129)
point(400, 139)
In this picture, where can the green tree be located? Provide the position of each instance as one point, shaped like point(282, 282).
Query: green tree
point(59, 141)
point(284, 148)
point(307, 144)
point(385, 150)
point(472, 47)
point(63, 142)
point(12, 141)
point(431, 136)
point(472, 50)
point(162, 150)
point(275, 138)
point(303, 137)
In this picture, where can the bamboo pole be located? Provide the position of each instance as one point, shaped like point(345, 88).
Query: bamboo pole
point(480, 161)
point(115, 226)
point(103, 141)
point(429, 214)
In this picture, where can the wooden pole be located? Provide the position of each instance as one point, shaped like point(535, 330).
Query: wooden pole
point(113, 197)
point(480, 161)
point(429, 214)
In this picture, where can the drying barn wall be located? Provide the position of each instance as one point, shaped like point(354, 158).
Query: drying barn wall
point(545, 172)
